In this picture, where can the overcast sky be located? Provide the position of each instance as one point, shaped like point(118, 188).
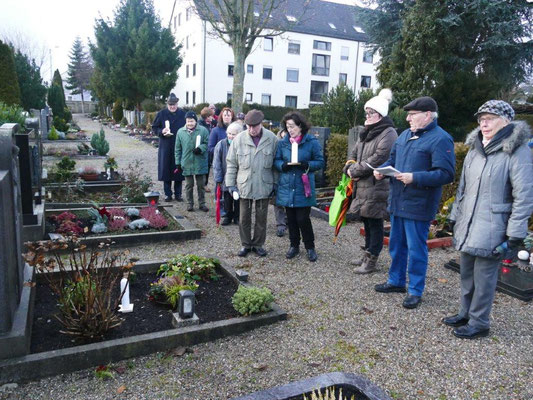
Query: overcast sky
point(52, 25)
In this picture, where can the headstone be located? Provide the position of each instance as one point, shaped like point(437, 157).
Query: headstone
point(36, 158)
point(322, 135)
point(45, 122)
point(25, 172)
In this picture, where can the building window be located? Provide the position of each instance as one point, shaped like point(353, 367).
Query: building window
point(265, 99)
point(343, 78)
point(249, 97)
point(194, 70)
point(187, 71)
point(229, 95)
point(175, 19)
point(193, 97)
point(345, 52)
point(187, 42)
point(292, 75)
point(268, 44)
point(320, 65)
point(267, 72)
point(188, 13)
point(230, 69)
point(179, 19)
point(291, 101)
point(365, 81)
point(318, 89)
point(319, 45)
point(368, 56)
point(294, 48)
point(186, 97)
point(250, 69)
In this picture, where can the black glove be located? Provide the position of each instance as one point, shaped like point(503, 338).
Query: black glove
point(304, 165)
point(285, 166)
point(346, 168)
point(514, 243)
point(449, 225)
point(197, 151)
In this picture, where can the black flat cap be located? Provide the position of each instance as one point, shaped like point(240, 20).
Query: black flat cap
point(425, 103)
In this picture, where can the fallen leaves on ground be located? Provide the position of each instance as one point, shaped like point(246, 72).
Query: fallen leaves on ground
point(121, 389)
point(260, 367)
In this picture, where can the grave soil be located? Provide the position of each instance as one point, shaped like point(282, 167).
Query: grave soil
point(213, 303)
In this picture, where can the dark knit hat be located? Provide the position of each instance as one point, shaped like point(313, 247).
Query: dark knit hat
point(191, 114)
point(254, 117)
point(172, 99)
point(425, 103)
point(497, 107)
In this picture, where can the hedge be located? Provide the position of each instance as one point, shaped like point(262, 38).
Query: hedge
point(336, 151)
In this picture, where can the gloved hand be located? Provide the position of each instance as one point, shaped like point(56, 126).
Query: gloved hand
point(285, 167)
point(514, 243)
point(197, 151)
point(232, 189)
point(304, 165)
point(449, 225)
point(347, 166)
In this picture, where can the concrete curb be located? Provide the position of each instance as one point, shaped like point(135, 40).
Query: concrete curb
point(299, 388)
point(40, 365)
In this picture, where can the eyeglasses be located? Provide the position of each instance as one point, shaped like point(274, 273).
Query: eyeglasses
point(410, 114)
point(370, 114)
point(486, 119)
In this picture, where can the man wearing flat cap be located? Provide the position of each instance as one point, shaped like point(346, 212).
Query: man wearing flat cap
point(166, 125)
point(424, 155)
point(251, 176)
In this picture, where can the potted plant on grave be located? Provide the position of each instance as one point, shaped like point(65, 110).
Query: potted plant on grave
point(111, 165)
point(89, 173)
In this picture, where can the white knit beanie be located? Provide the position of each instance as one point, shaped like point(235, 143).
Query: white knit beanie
point(380, 103)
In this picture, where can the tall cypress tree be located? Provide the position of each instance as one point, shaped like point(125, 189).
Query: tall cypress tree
point(9, 86)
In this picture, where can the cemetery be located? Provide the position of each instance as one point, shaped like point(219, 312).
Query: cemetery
point(110, 288)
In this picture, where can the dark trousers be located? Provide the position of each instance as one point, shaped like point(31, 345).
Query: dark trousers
point(200, 188)
point(260, 225)
point(167, 187)
point(231, 206)
point(373, 235)
point(299, 221)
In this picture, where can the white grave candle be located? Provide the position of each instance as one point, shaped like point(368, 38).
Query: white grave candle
point(198, 140)
point(125, 306)
point(294, 153)
point(167, 124)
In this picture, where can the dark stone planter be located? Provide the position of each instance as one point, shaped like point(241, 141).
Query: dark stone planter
point(514, 281)
point(296, 390)
point(39, 365)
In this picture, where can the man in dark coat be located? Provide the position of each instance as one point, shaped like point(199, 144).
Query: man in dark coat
point(166, 125)
point(424, 155)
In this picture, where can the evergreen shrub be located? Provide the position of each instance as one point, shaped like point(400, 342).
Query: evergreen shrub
point(99, 143)
point(252, 300)
point(11, 114)
point(336, 151)
point(118, 112)
point(9, 85)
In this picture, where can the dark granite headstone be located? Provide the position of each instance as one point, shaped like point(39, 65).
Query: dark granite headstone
point(25, 172)
point(322, 135)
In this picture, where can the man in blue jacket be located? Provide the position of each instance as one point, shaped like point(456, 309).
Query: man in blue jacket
point(424, 155)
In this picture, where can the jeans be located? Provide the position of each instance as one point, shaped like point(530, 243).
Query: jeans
point(373, 235)
point(299, 221)
point(200, 187)
point(167, 187)
point(245, 219)
point(409, 253)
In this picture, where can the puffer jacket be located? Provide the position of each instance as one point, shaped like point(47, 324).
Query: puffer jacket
point(191, 164)
point(290, 186)
point(495, 195)
point(250, 168)
point(219, 162)
point(373, 147)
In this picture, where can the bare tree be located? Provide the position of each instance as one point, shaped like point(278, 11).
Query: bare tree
point(28, 45)
point(239, 23)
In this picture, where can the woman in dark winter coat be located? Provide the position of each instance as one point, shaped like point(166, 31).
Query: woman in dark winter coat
point(373, 147)
point(166, 164)
point(492, 206)
point(226, 117)
point(296, 186)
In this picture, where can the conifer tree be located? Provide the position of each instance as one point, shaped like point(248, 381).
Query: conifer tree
point(9, 86)
point(32, 90)
point(79, 70)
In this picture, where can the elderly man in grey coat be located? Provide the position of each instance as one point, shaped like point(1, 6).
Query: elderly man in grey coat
point(491, 210)
point(250, 174)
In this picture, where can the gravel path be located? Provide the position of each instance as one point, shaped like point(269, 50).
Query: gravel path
point(337, 322)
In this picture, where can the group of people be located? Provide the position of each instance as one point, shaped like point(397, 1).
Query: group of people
point(252, 165)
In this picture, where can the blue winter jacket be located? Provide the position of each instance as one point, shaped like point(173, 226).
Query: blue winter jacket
point(290, 185)
point(216, 135)
point(429, 155)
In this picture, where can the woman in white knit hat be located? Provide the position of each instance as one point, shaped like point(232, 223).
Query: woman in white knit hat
point(370, 203)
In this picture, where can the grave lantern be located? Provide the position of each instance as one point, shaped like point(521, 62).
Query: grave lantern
point(186, 304)
point(152, 198)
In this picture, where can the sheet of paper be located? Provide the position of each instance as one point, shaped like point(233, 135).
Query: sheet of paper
point(387, 171)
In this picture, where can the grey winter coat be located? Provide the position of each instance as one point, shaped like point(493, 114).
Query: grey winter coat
point(370, 194)
point(219, 162)
point(495, 195)
point(250, 168)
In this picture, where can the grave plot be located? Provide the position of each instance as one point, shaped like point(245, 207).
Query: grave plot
point(204, 301)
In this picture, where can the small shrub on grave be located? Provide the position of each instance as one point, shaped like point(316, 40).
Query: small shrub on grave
point(65, 168)
point(84, 283)
point(60, 124)
point(192, 267)
point(154, 217)
point(137, 183)
point(99, 143)
point(11, 114)
point(83, 149)
point(166, 289)
point(252, 300)
point(124, 121)
point(53, 135)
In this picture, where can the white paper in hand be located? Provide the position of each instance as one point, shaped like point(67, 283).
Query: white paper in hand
point(387, 171)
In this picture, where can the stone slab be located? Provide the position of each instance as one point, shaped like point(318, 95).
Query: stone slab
point(178, 322)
